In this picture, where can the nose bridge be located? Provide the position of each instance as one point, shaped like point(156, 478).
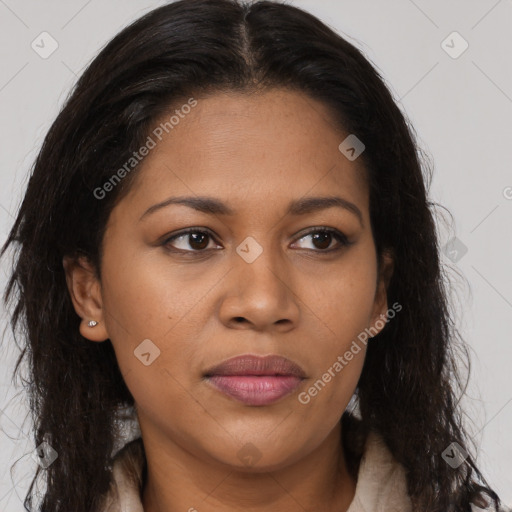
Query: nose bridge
point(260, 266)
point(263, 290)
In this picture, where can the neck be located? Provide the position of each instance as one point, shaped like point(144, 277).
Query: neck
point(179, 481)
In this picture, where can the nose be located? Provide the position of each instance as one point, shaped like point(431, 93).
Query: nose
point(260, 295)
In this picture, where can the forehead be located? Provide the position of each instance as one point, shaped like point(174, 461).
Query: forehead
point(253, 149)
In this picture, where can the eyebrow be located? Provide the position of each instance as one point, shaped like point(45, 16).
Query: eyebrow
point(212, 206)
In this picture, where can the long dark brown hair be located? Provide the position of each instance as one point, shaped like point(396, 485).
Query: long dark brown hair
point(409, 388)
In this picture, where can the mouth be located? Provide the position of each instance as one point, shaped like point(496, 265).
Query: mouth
point(256, 380)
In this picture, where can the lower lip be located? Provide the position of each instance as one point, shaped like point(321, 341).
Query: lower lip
point(255, 390)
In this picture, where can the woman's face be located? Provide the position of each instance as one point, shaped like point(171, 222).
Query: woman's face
point(253, 280)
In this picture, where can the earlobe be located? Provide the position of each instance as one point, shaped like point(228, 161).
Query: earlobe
point(93, 330)
point(85, 292)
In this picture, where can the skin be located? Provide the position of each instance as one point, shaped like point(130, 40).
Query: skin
point(256, 153)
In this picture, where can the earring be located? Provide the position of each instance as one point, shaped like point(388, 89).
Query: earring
point(92, 323)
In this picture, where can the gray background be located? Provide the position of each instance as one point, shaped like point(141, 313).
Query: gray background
point(460, 107)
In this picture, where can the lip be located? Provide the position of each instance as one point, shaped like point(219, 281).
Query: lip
point(256, 380)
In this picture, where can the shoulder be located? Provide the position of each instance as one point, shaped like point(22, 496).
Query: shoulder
point(381, 481)
point(127, 479)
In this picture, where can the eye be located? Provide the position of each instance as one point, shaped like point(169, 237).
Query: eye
point(322, 239)
point(194, 238)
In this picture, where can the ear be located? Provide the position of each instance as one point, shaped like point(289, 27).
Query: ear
point(85, 290)
point(380, 307)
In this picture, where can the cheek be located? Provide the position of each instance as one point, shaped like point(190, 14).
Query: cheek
point(329, 391)
point(153, 327)
point(147, 297)
point(341, 302)
point(166, 401)
point(342, 305)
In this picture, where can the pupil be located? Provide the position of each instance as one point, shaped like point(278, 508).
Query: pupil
point(196, 236)
point(322, 237)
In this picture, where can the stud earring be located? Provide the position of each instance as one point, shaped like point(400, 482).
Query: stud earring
point(92, 323)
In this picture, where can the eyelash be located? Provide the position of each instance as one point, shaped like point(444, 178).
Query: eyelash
point(338, 235)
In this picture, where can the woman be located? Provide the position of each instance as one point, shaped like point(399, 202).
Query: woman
point(227, 234)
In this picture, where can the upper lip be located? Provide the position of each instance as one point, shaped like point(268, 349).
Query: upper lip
point(249, 364)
